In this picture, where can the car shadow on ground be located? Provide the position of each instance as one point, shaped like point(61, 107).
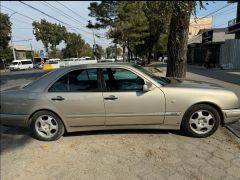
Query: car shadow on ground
point(12, 138)
point(124, 131)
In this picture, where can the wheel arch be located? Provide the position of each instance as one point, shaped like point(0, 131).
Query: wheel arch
point(210, 104)
point(30, 117)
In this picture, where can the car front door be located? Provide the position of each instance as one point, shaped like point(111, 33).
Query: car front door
point(126, 103)
point(78, 95)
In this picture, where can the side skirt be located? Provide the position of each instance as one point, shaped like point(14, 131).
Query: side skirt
point(93, 128)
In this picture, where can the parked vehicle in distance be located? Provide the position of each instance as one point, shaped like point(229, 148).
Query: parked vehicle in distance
point(37, 62)
point(21, 64)
point(137, 61)
point(106, 60)
point(163, 59)
point(55, 63)
point(105, 96)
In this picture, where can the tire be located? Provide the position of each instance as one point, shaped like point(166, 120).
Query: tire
point(200, 121)
point(47, 126)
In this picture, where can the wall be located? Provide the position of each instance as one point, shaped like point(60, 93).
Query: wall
point(196, 25)
point(230, 54)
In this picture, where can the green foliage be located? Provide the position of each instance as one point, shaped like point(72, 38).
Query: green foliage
point(113, 51)
point(76, 46)
point(86, 50)
point(5, 30)
point(56, 53)
point(6, 54)
point(50, 34)
point(99, 52)
point(137, 25)
point(5, 35)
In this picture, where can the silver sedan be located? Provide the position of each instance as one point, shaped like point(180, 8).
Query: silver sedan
point(116, 96)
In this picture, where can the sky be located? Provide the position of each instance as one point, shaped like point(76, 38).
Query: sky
point(22, 28)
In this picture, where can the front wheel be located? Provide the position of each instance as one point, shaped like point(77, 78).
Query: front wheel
point(47, 126)
point(200, 121)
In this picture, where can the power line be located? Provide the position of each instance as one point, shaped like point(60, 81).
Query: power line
point(18, 13)
point(18, 20)
point(211, 13)
point(62, 13)
point(75, 14)
point(70, 26)
point(71, 10)
point(220, 13)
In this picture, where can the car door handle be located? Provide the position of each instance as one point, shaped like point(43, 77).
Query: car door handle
point(111, 97)
point(58, 98)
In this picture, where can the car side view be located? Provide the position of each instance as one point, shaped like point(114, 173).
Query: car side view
point(116, 96)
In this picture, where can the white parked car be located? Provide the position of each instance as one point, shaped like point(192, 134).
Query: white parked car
point(54, 63)
point(21, 64)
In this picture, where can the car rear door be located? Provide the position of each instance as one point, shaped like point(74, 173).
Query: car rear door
point(78, 95)
point(126, 103)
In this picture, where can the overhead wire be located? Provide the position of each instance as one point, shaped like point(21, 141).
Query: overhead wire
point(70, 26)
point(210, 13)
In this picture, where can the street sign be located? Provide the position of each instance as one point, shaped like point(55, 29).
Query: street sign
point(94, 46)
point(207, 37)
point(41, 53)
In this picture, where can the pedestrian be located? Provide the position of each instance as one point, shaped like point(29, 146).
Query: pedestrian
point(208, 59)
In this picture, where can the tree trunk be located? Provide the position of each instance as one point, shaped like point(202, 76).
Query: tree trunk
point(177, 41)
point(237, 35)
point(124, 51)
point(149, 57)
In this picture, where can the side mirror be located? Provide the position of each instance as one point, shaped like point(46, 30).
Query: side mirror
point(145, 88)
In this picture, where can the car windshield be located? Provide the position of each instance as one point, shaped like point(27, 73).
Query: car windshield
point(14, 63)
point(159, 79)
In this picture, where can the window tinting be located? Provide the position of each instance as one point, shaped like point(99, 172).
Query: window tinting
point(85, 80)
point(61, 85)
point(122, 80)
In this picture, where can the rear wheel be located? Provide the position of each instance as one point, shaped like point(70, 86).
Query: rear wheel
point(201, 120)
point(47, 126)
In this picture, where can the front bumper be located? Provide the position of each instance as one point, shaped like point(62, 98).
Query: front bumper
point(14, 120)
point(231, 115)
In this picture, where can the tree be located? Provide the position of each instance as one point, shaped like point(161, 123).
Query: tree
point(125, 20)
point(50, 34)
point(113, 52)
point(99, 52)
point(56, 53)
point(158, 15)
point(5, 37)
point(74, 44)
point(86, 51)
point(178, 36)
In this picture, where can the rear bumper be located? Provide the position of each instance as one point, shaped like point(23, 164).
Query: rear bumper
point(231, 115)
point(14, 120)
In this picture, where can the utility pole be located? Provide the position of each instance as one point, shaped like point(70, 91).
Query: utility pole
point(13, 49)
point(94, 49)
point(31, 49)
